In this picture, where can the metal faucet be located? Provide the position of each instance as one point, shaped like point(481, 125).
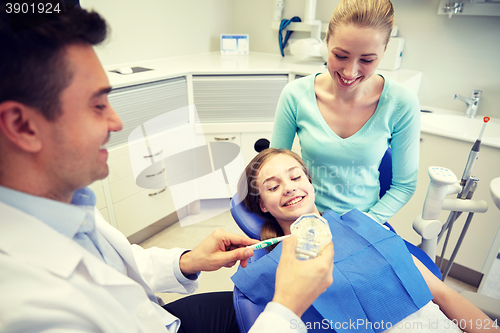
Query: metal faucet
point(472, 102)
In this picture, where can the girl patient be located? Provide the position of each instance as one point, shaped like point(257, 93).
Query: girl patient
point(378, 286)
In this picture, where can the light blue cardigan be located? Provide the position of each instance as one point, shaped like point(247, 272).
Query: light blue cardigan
point(345, 171)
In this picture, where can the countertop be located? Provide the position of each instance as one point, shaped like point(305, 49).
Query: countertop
point(215, 63)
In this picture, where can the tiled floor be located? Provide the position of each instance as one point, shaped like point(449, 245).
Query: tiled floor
point(190, 235)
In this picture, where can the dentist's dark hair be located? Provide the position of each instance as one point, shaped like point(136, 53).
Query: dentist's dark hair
point(33, 67)
point(249, 192)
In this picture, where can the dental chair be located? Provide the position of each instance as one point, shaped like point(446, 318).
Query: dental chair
point(251, 224)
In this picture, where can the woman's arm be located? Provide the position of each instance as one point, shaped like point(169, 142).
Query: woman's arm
point(404, 121)
point(285, 120)
point(455, 306)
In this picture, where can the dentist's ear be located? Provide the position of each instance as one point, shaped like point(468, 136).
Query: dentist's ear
point(18, 125)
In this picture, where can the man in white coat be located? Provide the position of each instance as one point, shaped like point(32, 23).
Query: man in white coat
point(63, 268)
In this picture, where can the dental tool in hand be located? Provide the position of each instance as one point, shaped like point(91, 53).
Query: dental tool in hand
point(267, 242)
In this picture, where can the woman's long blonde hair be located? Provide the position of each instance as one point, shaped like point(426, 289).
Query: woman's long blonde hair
point(375, 14)
point(249, 192)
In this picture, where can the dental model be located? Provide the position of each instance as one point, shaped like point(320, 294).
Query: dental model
point(313, 234)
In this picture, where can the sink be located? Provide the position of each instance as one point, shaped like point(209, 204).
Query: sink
point(495, 191)
point(455, 125)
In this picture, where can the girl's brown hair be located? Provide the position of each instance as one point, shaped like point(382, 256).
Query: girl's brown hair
point(375, 14)
point(249, 192)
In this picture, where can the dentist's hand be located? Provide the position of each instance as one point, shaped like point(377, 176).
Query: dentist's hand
point(299, 283)
point(219, 249)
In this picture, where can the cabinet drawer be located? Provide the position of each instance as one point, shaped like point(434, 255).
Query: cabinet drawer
point(142, 209)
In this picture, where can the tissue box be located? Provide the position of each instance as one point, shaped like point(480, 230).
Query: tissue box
point(393, 54)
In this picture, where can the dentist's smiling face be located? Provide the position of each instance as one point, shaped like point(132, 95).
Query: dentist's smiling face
point(353, 55)
point(285, 190)
point(73, 143)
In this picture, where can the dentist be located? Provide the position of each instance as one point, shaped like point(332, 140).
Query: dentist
point(63, 268)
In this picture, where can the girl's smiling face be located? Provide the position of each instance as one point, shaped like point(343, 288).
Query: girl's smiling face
point(285, 190)
point(353, 55)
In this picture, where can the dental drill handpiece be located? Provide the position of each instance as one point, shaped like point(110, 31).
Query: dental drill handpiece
point(473, 156)
point(438, 188)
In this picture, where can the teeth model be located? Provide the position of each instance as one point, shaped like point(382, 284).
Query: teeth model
point(313, 234)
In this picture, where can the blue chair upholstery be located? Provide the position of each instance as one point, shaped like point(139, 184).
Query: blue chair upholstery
point(251, 224)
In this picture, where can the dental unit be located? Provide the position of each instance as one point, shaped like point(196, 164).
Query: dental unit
point(445, 182)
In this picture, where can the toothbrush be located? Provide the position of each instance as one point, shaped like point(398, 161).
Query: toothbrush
point(473, 154)
point(267, 242)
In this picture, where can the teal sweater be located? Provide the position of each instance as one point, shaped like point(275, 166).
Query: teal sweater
point(345, 171)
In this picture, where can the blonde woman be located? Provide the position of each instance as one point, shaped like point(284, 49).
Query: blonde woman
point(347, 117)
point(375, 279)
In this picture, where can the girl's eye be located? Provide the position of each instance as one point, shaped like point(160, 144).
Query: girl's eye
point(296, 178)
point(340, 57)
point(100, 107)
point(367, 61)
point(274, 188)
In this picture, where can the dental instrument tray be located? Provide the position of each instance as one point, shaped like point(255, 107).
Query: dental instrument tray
point(313, 234)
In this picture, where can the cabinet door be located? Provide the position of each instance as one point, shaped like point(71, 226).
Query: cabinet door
point(237, 98)
point(223, 181)
point(147, 111)
point(248, 141)
point(139, 103)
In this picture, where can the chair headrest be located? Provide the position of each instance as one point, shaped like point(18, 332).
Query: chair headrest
point(249, 222)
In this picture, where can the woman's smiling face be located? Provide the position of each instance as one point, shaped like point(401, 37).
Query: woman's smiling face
point(285, 190)
point(353, 55)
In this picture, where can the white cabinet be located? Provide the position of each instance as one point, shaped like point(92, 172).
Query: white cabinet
point(134, 207)
point(136, 193)
point(146, 181)
point(223, 181)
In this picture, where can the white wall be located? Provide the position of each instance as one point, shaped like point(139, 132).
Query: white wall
point(153, 29)
point(455, 55)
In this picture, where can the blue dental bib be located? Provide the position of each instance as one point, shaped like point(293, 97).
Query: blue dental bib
point(375, 282)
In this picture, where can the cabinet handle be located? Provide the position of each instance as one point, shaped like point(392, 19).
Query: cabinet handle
point(153, 155)
point(156, 193)
point(224, 139)
point(156, 174)
point(422, 139)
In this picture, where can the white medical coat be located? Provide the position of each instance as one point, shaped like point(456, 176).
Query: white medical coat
point(48, 282)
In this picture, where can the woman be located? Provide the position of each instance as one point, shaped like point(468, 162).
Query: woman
point(390, 287)
point(347, 117)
